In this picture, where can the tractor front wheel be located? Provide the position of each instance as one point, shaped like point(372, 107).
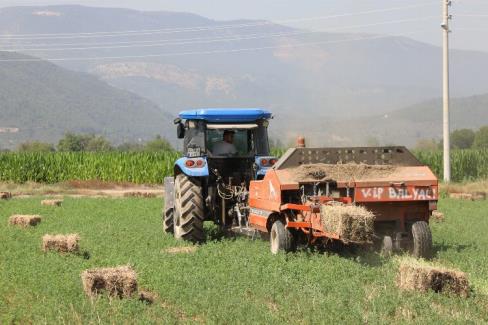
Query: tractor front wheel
point(422, 240)
point(188, 214)
point(281, 238)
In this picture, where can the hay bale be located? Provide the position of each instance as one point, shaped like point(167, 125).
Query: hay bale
point(118, 281)
point(438, 216)
point(476, 196)
point(350, 222)
point(420, 276)
point(5, 195)
point(24, 220)
point(61, 243)
point(56, 202)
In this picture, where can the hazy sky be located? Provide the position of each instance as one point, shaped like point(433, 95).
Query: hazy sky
point(469, 31)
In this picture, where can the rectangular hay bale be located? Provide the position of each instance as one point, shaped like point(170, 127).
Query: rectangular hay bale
point(24, 220)
point(118, 281)
point(55, 202)
point(416, 276)
point(350, 222)
point(61, 243)
point(5, 195)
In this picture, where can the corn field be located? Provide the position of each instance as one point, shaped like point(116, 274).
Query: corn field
point(151, 168)
point(135, 167)
point(466, 165)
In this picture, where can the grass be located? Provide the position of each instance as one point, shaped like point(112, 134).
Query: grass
point(223, 281)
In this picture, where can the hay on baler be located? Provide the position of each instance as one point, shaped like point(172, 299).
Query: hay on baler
point(61, 243)
point(350, 222)
point(118, 281)
point(420, 276)
point(55, 202)
point(24, 220)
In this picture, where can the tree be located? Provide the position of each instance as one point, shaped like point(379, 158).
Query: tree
point(462, 139)
point(84, 142)
point(73, 142)
point(35, 146)
point(427, 144)
point(130, 146)
point(481, 138)
point(98, 143)
point(158, 144)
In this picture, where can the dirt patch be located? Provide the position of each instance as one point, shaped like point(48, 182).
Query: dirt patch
point(61, 243)
point(5, 195)
point(352, 223)
point(140, 194)
point(477, 196)
point(24, 220)
point(180, 250)
point(97, 184)
point(116, 282)
point(414, 275)
point(54, 202)
point(340, 172)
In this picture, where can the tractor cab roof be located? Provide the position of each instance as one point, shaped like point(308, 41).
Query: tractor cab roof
point(226, 115)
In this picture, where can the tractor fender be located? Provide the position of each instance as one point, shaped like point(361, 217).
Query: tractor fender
point(192, 171)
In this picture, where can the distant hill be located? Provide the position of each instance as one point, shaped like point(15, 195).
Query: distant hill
point(341, 90)
point(406, 126)
point(42, 101)
point(339, 78)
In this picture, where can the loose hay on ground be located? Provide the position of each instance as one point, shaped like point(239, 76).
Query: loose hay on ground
point(178, 250)
point(24, 220)
point(56, 202)
point(438, 216)
point(116, 282)
point(61, 243)
point(420, 276)
point(352, 223)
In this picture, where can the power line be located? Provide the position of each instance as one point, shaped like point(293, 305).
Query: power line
point(229, 39)
point(203, 52)
point(196, 29)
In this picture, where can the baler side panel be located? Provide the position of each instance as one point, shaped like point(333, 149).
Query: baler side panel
point(264, 200)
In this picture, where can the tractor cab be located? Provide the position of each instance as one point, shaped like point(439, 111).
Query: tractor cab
point(231, 142)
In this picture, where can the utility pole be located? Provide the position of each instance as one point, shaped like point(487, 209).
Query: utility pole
point(445, 89)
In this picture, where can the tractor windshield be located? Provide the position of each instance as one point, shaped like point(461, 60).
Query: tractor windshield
point(236, 143)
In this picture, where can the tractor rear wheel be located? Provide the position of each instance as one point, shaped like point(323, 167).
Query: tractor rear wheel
point(168, 220)
point(281, 238)
point(188, 214)
point(422, 240)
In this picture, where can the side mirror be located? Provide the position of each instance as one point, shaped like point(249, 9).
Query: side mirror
point(180, 131)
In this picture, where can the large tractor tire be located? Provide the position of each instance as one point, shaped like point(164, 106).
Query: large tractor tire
point(168, 220)
point(281, 239)
point(422, 240)
point(188, 213)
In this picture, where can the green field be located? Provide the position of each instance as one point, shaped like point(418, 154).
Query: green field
point(224, 281)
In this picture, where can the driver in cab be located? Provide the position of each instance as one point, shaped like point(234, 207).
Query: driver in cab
point(226, 146)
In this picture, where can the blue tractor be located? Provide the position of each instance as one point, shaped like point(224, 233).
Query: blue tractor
point(223, 151)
